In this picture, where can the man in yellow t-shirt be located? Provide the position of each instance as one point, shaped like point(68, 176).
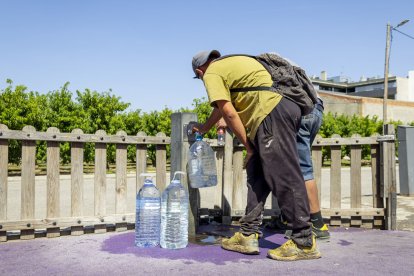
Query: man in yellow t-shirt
point(266, 124)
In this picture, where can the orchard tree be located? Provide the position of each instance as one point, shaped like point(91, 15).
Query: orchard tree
point(19, 108)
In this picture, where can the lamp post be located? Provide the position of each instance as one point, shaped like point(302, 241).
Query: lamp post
point(387, 60)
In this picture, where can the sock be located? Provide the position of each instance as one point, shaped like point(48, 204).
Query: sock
point(317, 220)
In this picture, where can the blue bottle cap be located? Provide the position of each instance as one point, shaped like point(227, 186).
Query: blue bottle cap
point(198, 136)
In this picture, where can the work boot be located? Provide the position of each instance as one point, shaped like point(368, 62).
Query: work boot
point(321, 233)
point(290, 251)
point(242, 244)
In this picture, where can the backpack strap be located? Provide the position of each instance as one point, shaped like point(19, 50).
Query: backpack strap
point(259, 88)
point(234, 55)
point(254, 88)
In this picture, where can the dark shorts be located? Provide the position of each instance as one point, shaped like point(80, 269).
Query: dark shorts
point(309, 127)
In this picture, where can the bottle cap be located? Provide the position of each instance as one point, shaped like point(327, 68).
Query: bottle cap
point(148, 177)
point(199, 137)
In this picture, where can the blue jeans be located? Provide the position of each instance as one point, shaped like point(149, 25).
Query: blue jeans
point(309, 127)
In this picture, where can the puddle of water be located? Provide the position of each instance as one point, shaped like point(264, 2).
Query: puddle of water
point(206, 240)
point(204, 248)
point(344, 243)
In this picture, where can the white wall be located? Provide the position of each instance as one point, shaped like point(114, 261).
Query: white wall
point(350, 105)
point(411, 86)
point(403, 92)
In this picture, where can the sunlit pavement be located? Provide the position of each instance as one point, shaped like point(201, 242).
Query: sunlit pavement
point(350, 251)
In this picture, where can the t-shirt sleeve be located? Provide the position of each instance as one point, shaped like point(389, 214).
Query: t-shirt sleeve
point(216, 88)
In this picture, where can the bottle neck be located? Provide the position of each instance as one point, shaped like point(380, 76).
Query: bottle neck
point(148, 183)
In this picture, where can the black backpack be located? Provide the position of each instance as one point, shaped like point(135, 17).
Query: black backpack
point(289, 80)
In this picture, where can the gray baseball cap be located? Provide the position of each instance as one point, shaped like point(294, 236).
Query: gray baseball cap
point(202, 57)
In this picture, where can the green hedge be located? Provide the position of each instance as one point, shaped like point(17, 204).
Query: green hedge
point(91, 110)
point(346, 126)
point(88, 110)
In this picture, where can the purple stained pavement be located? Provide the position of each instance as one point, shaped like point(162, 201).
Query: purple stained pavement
point(206, 249)
point(349, 252)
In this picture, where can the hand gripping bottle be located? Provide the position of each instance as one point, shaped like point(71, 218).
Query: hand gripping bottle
point(202, 170)
point(148, 214)
point(174, 215)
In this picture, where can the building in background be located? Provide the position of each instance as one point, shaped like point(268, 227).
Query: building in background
point(364, 97)
point(399, 88)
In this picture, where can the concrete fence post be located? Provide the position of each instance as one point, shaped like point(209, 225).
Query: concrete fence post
point(388, 176)
point(406, 159)
point(180, 145)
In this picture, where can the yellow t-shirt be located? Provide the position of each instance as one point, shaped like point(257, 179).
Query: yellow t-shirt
point(237, 72)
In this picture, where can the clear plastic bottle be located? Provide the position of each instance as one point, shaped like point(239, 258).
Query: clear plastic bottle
point(174, 215)
point(148, 214)
point(220, 136)
point(202, 170)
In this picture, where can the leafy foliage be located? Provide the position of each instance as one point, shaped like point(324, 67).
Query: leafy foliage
point(91, 111)
point(346, 126)
point(156, 122)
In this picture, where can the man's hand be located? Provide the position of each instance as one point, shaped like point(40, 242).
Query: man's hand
point(204, 128)
point(249, 154)
point(197, 127)
point(221, 124)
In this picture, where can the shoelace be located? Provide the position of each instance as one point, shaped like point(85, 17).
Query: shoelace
point(287, 244)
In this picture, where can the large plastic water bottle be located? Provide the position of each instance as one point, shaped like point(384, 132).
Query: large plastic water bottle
point(202, 170)
point(148, 214)
point(174, 215)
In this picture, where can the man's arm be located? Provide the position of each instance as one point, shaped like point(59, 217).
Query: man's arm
point(233, 121)
point(211, 121)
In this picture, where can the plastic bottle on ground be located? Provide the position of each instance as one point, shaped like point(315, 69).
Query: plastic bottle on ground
point(148, 214)
point(174, 215)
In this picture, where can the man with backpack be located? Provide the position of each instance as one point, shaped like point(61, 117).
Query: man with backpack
point(242, 91)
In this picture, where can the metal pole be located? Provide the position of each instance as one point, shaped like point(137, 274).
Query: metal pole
point(387, 59)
